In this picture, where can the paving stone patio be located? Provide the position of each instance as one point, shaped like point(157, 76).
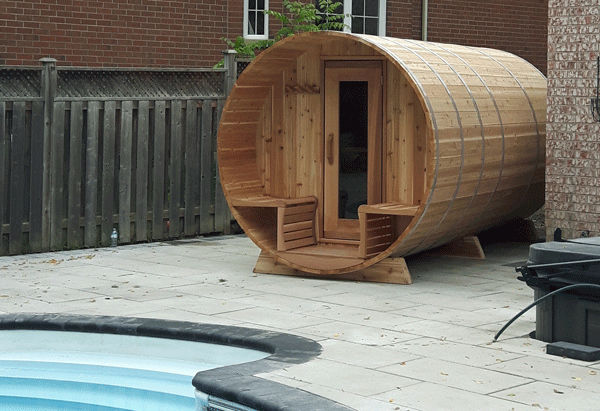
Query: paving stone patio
point(422, 347)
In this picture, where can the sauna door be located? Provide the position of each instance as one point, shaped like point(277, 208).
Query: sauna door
point(352, 146)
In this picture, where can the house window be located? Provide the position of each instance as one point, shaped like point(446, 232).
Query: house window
point(256, 22)
point(366, 17)
point(363, 16)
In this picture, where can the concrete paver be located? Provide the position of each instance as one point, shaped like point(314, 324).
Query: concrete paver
point(422, 347)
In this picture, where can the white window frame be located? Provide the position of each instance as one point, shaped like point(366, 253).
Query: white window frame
point(256, 36)
point(382, 16)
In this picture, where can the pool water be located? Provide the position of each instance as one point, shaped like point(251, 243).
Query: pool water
point(54, 370)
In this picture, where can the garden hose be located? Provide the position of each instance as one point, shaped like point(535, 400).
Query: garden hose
point(539, 300)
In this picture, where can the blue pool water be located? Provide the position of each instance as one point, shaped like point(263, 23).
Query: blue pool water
point(53, 370)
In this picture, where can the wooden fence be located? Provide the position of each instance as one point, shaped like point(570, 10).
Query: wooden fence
point(82, 158)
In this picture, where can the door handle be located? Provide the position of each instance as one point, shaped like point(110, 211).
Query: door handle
point(330, 148)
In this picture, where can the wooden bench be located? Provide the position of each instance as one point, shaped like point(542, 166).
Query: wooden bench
point(378, 226)
point(295, 218)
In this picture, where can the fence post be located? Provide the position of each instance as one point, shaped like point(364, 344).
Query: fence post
point(47, 92)
point(222, 212)
point(231, 74)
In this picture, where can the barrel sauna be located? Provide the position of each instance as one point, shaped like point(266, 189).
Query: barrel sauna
point(337, 150)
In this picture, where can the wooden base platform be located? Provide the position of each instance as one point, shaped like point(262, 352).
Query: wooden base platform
point(466, 247)
point(389, 270)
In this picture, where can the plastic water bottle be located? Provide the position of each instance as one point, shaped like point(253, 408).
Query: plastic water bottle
point(114, 238)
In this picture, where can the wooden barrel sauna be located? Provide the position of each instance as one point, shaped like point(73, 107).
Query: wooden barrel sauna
point(338, 150)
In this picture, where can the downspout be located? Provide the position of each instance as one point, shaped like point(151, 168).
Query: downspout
point(424, 16)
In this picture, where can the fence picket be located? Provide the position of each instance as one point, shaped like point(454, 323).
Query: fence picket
point(4, 159)
point(125, 167)
point(206, 164)
point(158, 172)
point(192, 169)
point(74, 233)
point(108, 172)
point(17, 177)
point(91, 174)
point(175, 168)
point(222, 213)
point(141, 192)
point(57, 184)
point(37, 177)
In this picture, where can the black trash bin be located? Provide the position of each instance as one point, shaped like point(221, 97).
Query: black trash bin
point(572, 316)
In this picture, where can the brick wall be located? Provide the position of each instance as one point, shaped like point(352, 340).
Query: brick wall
point(186, 33)
point(573, 138)
point(516, 26)
point(153, 33)
point(404, 19)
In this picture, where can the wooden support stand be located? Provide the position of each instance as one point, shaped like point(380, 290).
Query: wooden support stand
point(466, 247)
point(389, 270)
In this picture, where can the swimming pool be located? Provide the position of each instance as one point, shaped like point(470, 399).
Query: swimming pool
point(96, 363)
point(60, 370)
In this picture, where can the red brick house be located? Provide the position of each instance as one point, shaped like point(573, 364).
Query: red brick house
point(187, 33)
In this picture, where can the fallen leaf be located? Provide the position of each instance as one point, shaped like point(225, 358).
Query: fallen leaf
point(443, 373)
point(558, 392)
point(391, 400)
point(336, 335)
point(593, 373)
point(576, 378)
point(510, 395)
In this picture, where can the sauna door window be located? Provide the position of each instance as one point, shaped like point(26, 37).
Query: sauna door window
point(352, 157)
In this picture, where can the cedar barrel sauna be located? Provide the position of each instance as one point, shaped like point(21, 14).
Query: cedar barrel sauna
point(337, 150)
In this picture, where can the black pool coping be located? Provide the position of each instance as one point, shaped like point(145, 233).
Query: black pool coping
point(236, 383)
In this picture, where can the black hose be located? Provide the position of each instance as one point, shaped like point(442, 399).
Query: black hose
point(539, 300)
